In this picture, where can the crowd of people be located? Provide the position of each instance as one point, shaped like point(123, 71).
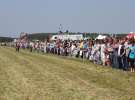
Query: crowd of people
point(111, 52)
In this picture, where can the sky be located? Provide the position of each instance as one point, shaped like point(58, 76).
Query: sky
point(34, 16)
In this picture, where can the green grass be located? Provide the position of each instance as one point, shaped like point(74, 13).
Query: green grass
point(32, 76)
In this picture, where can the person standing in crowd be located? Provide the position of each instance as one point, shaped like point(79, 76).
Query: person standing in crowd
point(58, 47)
point(132, 57)
point(115, 63)
point(85, 49)
point(31, 46)
point(102, 52)
point(37, 46)
point(127, 49)
point(45, 46)
point(66, 48)
point(72, 49)
point(107, 56)
point(81, 47)
point(119, 53)
point(95, 52)
point(123, 57)
point(17, 46)
point(110, 51)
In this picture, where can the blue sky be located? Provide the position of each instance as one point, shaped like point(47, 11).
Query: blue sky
point(75, 15)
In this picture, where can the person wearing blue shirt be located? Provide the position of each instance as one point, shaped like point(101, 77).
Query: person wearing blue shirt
point(132, 57)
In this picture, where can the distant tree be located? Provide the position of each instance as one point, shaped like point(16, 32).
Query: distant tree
point(67, 31)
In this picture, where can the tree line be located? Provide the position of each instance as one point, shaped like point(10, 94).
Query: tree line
point(6, 39)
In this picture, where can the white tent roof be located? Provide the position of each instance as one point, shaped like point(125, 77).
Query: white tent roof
point(100, 37)
point(67, 37)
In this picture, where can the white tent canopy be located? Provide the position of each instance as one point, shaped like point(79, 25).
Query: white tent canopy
point(15, 40)
point(67, 37)
point(100, 37)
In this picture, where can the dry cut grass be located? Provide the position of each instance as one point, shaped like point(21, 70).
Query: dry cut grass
point(32, 76)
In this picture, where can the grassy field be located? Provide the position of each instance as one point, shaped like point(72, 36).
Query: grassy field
point(32, 76)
